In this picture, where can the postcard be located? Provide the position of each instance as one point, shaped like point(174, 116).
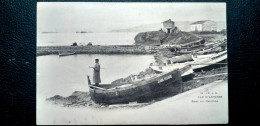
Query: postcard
point(131, 63)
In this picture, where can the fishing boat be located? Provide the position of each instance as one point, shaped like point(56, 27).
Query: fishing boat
point(186, 70)
point(66, 53)
point(216, 60)
point(188, 51)
point(212, 48)
point(196, 57)
point(160, 85)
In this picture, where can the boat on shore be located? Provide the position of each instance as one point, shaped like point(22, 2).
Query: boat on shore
point(216, 60)
point(206, 48)
point(196, 57)
point(147, 89)
point(186, 70)
point(198, 63)
point(213, 48)
point(66, 53)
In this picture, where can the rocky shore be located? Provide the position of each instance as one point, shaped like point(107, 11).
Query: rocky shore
point(161, 38)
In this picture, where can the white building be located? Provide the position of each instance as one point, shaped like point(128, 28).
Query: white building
point(206, 25)
point(168, 26)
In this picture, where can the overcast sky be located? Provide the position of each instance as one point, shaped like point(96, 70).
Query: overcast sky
point(102, 17)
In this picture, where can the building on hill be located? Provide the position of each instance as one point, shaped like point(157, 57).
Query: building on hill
point(168, 26)
point(201, 26)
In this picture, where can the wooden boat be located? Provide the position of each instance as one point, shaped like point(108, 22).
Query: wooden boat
point(196, 57)
point(66, 53)
point(186, 70)
point(180, 59)
point(160, 85)
point(218, 59)
point(200, 62)
point(186, 51)
point(211, 48)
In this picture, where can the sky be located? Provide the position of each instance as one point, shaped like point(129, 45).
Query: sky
point(104, 16)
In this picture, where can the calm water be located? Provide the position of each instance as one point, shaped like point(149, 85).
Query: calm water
point(64, 75)
point(113, 38)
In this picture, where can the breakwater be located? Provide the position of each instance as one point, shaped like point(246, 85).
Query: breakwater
point(98, 49)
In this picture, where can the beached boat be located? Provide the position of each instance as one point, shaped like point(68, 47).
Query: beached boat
point(185, 69)
point(200, 62)
point(196, 57)
point(160, 85)
point(212, 48)
point(218, 59)
point(209, 50)
point(206, 48)
point(187, 51)
point(66, 53)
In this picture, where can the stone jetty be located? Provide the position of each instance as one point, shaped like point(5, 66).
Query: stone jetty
point(98, 49)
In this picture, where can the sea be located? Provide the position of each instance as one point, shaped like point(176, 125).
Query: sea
point(103, 38)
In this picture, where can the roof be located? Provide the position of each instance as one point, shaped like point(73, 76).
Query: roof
point(200, 22)
point(168, 21)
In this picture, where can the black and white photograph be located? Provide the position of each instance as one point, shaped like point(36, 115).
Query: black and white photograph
point(131, 63)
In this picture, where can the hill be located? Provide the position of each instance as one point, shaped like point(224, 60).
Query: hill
point(140, 28)
point(182, 25)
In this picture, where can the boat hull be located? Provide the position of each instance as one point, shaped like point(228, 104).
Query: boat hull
point(216, 61)
point(210, 67)
point(147, 90)
point(189, 75)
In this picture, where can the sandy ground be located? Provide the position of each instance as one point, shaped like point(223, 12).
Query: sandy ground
point(207, 104)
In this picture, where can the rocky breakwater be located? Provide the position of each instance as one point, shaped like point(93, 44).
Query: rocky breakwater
point(95, 49)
